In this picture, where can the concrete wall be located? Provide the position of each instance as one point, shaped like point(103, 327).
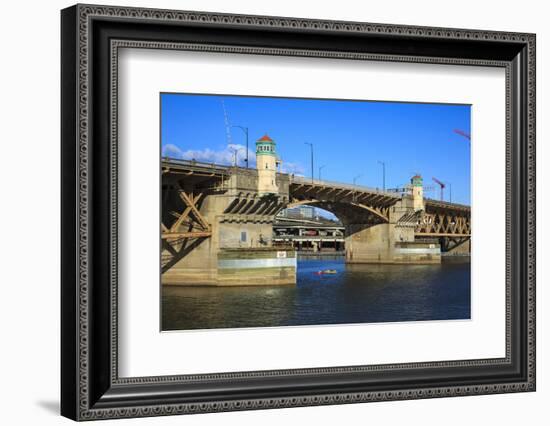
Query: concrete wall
point(369, 244)
point(283, 184)
point(267, 266)
point(235, 267)
point(242, 180)
point(416, 252)
point(403, 234)
point(387, 243)
point(392, 242)
point(402, 207)
point(244, 234)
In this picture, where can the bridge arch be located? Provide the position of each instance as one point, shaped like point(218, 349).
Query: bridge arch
point(347, 212)
point(358, 221)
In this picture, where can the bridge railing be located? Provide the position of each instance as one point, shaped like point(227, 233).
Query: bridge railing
point(194, 164)
point(360, 188)
point(435, 201)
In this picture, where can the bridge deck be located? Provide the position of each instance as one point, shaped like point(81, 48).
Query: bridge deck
point(445, 205)
point(303, 181)
point(190, 167)
point(198, 168)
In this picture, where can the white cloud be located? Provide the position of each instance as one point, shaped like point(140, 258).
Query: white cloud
point(292, 168)
point(225, 156)
point(172, 151)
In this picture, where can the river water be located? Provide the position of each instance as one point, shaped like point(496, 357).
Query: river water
point(363, 293)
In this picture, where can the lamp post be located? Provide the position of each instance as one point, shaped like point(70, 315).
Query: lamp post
point(311, 147)
point(321, 168)
point(355, 180)
point(383, 175)
point(245, 130)
point(235, 152)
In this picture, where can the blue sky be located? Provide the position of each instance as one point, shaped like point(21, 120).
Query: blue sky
point(349, 137)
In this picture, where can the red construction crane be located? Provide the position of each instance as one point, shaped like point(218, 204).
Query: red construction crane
point(462, 133)
point(441, 185)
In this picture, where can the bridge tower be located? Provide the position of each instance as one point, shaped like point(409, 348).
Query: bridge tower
point(266, 164)
point(417, 192)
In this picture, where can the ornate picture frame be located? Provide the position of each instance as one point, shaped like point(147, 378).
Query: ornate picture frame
point(91, 386)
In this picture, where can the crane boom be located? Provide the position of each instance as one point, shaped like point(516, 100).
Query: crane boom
point(441, 185)
point(227, 125)
point(462, 133)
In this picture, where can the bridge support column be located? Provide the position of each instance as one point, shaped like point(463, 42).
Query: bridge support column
point(237, 254)
point(388, 243)
point(238, 251)
point(369, 244)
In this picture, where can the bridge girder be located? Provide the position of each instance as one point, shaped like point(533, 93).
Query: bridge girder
point(444, 222)
point(349, 204)
point(181, 231)
point(347, 212)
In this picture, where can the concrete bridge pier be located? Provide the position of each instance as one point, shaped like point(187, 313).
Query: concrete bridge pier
point(368, 244)
point(393, 241)
point(238, 222)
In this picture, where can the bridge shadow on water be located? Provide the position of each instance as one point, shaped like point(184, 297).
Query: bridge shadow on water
point(357, 293)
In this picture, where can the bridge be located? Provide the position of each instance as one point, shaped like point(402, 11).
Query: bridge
point(217, 222)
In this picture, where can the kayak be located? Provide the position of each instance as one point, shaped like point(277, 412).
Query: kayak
point(327, 271)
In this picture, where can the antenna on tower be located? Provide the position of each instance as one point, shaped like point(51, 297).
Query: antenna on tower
point(227, 125)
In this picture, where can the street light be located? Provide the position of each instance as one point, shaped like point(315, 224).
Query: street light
point(355, 180)
point(311, 146)
point(235, 151)
point(383, 175)
point(245, 130)
point(321, 168)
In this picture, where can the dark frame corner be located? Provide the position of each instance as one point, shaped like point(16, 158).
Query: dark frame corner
point(91, 388)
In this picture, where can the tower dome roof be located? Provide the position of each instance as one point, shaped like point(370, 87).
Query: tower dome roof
point(265, 138)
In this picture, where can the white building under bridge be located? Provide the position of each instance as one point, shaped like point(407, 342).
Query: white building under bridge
point(309, 234)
